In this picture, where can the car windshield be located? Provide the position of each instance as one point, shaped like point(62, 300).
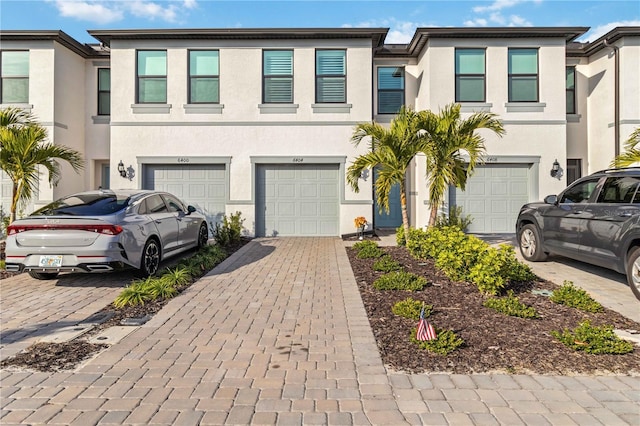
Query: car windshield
point(98, 204)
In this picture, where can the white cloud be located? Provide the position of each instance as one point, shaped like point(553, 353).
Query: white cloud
point(152, 11)
point(400, 32)
point(498, 20)
point(498, 5)
point(599, 31)
point(478, 22)
point(106, 11)
point(518, 21)
point(97, 12)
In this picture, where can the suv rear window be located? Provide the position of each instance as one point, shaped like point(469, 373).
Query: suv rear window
point(84, 205)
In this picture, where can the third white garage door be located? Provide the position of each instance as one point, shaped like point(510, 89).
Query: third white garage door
point(297, 200)
point(493, 197)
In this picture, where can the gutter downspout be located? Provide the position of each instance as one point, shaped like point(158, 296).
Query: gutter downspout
point(616, 100)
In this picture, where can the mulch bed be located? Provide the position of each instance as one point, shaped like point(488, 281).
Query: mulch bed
point(493, 342)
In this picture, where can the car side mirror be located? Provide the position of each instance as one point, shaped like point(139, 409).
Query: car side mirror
point(191, 209)
point(551, 199)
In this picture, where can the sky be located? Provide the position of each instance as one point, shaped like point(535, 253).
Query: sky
point(402, 17)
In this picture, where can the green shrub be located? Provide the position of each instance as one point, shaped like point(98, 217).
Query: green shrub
point(229, 231)
point(366, 244)
point(369, 251)
point(400, 280)
point(495, 267)
point(455, 219)
point(467, 258)
point(413, 234)
point(411, 308)
point(137, 293)
point(510, 305)
point(161, 289)
point(593, 339)
point(445, 342)
point(386, 264)
point(3, 264)
point(178, 276)
point(400, 240)
point(575, 297)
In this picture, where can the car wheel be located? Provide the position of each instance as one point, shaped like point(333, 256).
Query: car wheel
point(43, 275)
point(531, 244)
point(633, 271)
point(203, 235)
point(150, 258)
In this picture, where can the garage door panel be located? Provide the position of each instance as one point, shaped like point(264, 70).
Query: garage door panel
point(305, 199)
point(499, 188)
point(308, 190)
point(494, 196)
point(285, 190)
point(309, 209)
point(285, 208)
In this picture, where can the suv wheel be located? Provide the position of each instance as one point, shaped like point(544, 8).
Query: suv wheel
point(633, 271)
point(531, 244)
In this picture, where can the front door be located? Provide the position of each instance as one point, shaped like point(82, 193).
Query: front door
point(382, 219)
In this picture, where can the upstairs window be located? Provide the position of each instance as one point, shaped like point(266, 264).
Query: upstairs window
point(470, 75)
point(523, 75)
point(104, 91)
point(390, 89)
point(331, 76)
point(152, 77)
point(14, 81)
point(571, 90)
point(204, 77)
point(277, 75)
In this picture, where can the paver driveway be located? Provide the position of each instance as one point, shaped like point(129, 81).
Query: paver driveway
point(31, 308)
point(278, 334)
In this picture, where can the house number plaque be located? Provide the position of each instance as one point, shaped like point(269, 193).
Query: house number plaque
point(298, 160)
point(183, 160)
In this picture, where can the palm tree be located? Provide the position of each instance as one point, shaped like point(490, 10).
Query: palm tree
point(631, 152)
point(24, 147)
point(451, 138)
point(390, 152)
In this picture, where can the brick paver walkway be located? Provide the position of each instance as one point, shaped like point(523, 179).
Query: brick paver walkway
point(278, 334)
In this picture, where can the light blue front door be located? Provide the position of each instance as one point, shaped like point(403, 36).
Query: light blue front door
point(394, 218)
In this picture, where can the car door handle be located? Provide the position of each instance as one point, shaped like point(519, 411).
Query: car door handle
point(625, 214)
point(157, 221)
point(577, 212)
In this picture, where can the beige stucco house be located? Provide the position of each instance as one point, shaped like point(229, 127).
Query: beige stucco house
point(259, 120)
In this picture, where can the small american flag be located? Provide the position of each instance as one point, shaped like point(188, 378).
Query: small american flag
point(425, 330)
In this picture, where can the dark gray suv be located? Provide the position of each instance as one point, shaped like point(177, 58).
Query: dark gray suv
point(595, 220)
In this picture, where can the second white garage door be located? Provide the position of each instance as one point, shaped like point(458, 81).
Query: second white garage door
point(201, 185)
point(297, 200)
point(493, 197)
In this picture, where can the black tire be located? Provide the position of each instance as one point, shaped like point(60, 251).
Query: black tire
point(531, 244)
point(203, 235)
point(633, 271)
point(150, 261)
point(43, 275)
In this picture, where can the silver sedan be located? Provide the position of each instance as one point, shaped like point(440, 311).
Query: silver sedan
point(99, 231)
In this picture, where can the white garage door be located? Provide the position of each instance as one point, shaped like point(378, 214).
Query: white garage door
point(297, 200)
point(201, 185)
point(493, 197)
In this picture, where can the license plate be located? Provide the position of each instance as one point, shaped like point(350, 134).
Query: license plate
point(50, 261)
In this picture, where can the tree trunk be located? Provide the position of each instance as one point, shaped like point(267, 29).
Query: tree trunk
point(14, 202)
point(403, 208)
point(433, 216)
